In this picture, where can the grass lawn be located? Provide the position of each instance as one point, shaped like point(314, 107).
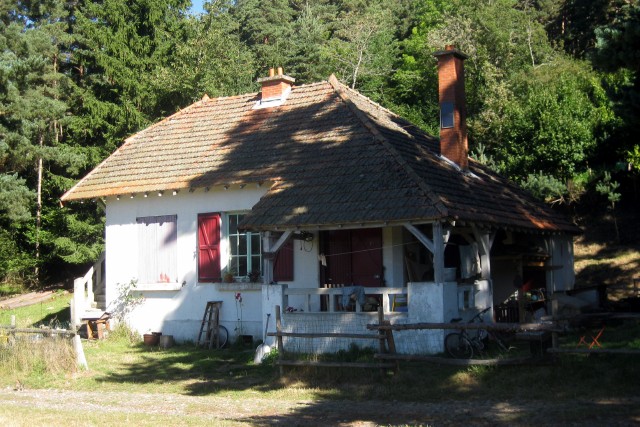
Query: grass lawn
point(53, 312)
point(118, 365)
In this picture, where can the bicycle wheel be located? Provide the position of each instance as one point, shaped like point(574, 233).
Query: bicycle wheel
point(458, 346)
point(500, 342)
point(222, 338)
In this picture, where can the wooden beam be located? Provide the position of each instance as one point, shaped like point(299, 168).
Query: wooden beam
point(457, 362)
point(281, 241)
point(438, 253)
point(485, 241)
point(39, 331)
point(475, 325)
point(269, 251)
point(317, 364)
point(630, 351)
point(325, 335)
point(428, 243)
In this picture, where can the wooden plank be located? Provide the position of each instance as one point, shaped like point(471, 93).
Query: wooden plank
point(438, 253)
point(334, 364)
point(421, 237)
point(457, 362)
point(381, 333)
point(323, 335)
point(485, 326)
point(279, 337)
point(595, 351)
point(42, 331)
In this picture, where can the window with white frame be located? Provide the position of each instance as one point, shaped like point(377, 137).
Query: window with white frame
point(157, 249)
point(245, 248)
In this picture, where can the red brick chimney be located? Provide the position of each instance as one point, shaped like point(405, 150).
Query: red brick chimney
point(275, 87)
point(453, 109)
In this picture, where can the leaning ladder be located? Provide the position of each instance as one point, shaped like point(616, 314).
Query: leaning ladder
point(209, 326)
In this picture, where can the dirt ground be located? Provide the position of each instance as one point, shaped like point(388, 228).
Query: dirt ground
point(267, 412)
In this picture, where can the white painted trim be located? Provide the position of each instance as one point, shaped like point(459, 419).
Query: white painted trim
point(158, 287)
point(428, 243)
point(281, 241)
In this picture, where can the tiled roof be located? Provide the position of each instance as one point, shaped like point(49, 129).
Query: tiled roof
point(336, 158)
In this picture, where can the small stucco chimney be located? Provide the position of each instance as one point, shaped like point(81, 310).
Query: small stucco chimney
point(276, 87)
point(453, 109)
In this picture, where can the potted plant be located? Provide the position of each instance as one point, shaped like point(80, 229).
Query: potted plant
point(151, 338)
point(229, 276)
point(254, 276)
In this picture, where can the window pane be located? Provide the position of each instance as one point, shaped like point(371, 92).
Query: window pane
point(242, 245)
point(233, 244)
point(255, 244)
point(242, 266)
point(255, 263)
point(233, 224)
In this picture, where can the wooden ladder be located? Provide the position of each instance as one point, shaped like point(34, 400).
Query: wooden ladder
point(209, 326)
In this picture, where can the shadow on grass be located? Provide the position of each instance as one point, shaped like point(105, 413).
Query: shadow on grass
point(61, 317)
point(418, 393)
point(198, 372)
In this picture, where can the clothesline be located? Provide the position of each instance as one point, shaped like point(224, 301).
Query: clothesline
point(374, 249)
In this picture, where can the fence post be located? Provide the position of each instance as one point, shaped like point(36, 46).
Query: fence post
point(554, 316)
point(279, 338)
point(76, 308)
point(380, 331)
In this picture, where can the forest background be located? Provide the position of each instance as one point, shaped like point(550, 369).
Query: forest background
point(553, 92)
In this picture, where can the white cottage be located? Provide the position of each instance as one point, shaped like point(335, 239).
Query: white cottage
point(286, 196)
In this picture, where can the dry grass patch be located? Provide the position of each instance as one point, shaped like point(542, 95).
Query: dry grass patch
point(36, 356)
point(600, 260)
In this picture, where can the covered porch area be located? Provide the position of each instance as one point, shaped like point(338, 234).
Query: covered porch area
point(427, 273)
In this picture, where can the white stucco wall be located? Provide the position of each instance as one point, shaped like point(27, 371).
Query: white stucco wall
point(178, 310)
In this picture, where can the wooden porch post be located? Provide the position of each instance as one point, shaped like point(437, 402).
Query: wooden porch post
point(485, 241)
point(438, 253)
point(269, 250)
point(267, 259)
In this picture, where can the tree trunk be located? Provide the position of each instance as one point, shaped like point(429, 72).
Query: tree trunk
point(39, 209)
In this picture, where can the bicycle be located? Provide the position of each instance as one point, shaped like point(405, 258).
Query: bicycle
point(461, 345)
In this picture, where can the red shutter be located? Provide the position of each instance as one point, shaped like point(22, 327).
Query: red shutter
point(366, 257)
point(353, 257)
point(339, 260)
point(283, 264)
point(209, 247)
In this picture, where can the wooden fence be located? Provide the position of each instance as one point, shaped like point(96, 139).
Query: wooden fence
point(12, 330)
point(384, 338)
point(524, 331)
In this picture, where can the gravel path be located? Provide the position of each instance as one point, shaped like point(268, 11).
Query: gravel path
point(260, 411)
